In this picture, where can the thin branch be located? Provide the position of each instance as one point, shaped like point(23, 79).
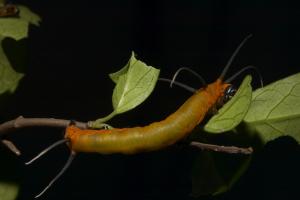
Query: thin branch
point(11, 146)
point(223, 149)
point(22, 122)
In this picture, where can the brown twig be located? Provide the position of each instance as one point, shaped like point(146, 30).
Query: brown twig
point(223, 149)
point(22, 122)
point(11, 146)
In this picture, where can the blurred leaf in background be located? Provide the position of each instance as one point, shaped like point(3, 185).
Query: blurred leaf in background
point(11, 171)
point(12, 30)
point(17, 27)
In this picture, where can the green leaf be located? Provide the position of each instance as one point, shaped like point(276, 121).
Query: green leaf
point(134, 83)
point(275, 110)
point(17, 27)
point(10, 175)
point(233, 112)
point(134, 86)
point(115, 76)
point(9, 78)
point(8, 191)
point(213, 174)
point(27, 15)
point(231, 171)
point(13, 28)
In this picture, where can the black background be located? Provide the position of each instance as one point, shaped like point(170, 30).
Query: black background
point(80, 42)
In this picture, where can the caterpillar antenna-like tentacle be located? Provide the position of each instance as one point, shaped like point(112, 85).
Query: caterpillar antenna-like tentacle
point(189, 70)
point(182, 85)
point(233, 56)
point(66, 166)
point(52, 146)
point(244, 69)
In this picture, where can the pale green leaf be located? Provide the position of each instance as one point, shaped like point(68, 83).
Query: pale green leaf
point(115, 76)
point(9, 78)
point(134, 83)
point(275, 110)
point(17, 27)
point(233, 112)
point(134, 86)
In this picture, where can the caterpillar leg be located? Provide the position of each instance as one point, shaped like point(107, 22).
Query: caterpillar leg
point(105, 126)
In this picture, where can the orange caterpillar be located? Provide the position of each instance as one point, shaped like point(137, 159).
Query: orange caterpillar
point(154, 136)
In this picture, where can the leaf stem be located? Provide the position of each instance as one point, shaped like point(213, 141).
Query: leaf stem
point(99, 122)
